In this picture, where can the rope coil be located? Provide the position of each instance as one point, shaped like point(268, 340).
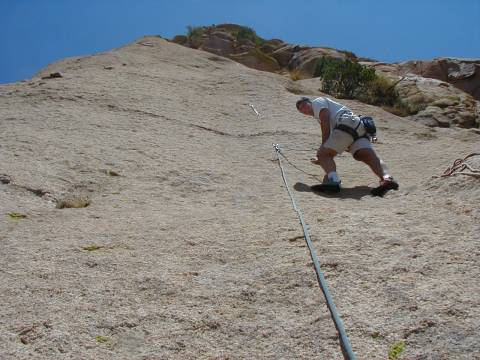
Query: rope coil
point(459, 166)
point(347, 351)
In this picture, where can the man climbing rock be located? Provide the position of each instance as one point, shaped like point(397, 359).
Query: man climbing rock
point(343, 130)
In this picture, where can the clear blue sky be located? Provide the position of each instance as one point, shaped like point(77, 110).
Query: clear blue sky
point(35, 33)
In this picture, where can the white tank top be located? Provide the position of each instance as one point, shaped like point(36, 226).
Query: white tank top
point(335, 108)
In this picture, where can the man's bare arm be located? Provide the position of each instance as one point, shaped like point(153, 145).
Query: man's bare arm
point(325, 124)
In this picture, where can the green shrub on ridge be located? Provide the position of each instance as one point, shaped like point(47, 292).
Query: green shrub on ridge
point(194, 35)
point(348, 79)
point(249, 34)
point(343, 78)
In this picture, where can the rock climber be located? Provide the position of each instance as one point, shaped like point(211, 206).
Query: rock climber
point(343, 130)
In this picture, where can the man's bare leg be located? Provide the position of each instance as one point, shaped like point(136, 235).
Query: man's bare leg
point(325, 159)
point(331, 181)
point(369, 157)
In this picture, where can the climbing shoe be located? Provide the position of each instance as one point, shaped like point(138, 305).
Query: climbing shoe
point(385, 185)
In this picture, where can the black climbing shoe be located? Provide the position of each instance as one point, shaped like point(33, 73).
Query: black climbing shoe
point(385, 185)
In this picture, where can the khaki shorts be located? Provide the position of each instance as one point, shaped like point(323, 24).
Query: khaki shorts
point(340, 141)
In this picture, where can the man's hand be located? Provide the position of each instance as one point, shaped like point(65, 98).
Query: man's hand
point(315, 159)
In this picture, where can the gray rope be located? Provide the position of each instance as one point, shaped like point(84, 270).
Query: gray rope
point(344, 341)
point(296, 167)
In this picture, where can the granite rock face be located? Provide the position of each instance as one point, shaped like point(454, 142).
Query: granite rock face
point(189, 246)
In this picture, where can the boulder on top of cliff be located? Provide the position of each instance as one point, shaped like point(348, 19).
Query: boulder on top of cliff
point(437, 103)
point(272, 45)
point(305, 60)
point(285, 53)
point(257, 59)
point(462, 73)
point(220, 43)
point(242, 44)
point(238, 42)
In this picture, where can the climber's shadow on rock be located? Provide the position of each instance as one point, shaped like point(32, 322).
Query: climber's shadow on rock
point(356, 192)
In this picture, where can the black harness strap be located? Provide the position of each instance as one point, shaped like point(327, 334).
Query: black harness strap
point(351, 131)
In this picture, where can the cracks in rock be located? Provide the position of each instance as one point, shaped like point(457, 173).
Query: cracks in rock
point(113, 107)
point(218, 132)
point(44, 194)
point(271, 133)
point(201, 127)
point(38, 192)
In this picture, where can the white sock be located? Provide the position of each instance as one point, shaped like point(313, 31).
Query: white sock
point(386, 174)
point(333, 176)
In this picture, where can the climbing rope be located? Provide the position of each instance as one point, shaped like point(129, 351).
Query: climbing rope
point(344, 341)
point(295, 166)
point(459, 166)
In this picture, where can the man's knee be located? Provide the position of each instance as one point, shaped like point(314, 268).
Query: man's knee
point(326, 152)
point(364, 155)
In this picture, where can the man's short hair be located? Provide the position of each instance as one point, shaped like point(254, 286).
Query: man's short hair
point(302, 100)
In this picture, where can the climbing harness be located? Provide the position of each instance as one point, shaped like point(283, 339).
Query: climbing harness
point(459, 166)
point(347, 351)
point(368, 125)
